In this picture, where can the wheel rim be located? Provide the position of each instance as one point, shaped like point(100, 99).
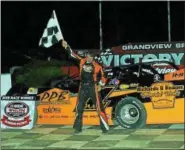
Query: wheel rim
point(130, 114)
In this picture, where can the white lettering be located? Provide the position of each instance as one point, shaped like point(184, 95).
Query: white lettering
point(117, 60)
point(177, 57)
point(124, 47)
point(123, 59)
point(166, 57)
point(141, 47)
point(136, 57)
point(164, 70)
point(152, 46)
point(135, 47)
point(167, 45)
point(105, 61)
point(147, 46)
point(160, 45)
point(149, 56)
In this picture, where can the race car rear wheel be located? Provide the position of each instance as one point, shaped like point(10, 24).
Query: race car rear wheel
point(130, 113)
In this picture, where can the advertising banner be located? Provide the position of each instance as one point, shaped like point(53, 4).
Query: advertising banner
point(147, 52)
point(17, 112)
point(154, 46)
point(169, 51)
point(135, 53)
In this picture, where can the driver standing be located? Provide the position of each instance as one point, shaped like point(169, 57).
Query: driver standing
point(89, 70)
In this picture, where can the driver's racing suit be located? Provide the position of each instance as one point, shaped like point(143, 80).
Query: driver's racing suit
point(88, 89)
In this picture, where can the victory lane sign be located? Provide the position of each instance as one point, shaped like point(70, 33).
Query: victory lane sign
point(17, 112)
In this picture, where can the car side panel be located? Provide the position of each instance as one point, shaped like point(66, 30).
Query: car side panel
point(165, 116)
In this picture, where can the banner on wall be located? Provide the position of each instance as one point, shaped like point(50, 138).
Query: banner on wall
point(153, 46)
point(146, 52)
point(142, 52)
point(120, 60)
point(17, 112)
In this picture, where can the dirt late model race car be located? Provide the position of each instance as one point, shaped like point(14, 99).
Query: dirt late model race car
point(134, 96)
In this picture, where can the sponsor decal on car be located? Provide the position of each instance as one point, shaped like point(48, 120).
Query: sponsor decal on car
point(162, 94)
point(55, 96)
point(147, 71)
point(124, 86)
point(89, 106)
point(178, 75)
point(32, 90)
point(164, 70)
point(114, 81)
point(134, 85)
point(52, 110)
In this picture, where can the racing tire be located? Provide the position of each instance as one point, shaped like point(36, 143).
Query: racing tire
point(130, 113)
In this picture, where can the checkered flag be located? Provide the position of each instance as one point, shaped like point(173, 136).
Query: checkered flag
point(52, 33)
point(105, 53)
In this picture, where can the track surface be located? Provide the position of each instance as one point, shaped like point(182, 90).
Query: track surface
point(62, 137)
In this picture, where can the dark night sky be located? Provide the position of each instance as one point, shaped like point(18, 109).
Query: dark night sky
point(23, 22)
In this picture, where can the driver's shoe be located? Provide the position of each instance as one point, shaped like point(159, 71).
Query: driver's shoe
point(77, 131)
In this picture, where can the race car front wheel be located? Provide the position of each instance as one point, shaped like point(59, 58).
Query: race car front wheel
point(130, 113)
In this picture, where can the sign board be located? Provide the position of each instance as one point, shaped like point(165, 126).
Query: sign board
point(17, 112)
point(144, 52)
point(168, 51)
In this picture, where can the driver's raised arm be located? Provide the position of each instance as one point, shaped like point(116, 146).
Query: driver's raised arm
point(70, 51)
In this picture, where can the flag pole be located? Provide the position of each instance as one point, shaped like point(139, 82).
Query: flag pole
point(169, 21)
point(100, 19)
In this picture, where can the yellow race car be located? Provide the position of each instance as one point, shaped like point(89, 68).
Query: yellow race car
point(132, 104)
point(129, 105)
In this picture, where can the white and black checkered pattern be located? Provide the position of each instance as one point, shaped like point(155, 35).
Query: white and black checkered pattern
point(52, 33)
point(105, 53)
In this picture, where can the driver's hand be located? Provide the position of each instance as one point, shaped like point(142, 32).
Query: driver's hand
point(64, 44)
